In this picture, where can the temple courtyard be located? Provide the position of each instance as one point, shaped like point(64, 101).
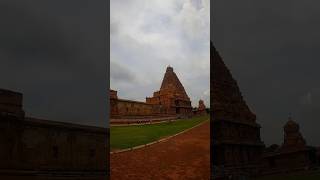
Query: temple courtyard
point(122, 137)
point(184, 156)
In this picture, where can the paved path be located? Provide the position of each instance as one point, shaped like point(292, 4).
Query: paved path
point(186, 156)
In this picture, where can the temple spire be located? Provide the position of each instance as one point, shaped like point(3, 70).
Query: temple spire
point(171, 82)
point(169, 68)
point(226, 96)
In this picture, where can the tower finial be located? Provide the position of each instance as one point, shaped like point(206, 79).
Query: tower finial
point(290, 116)
point(169, 68)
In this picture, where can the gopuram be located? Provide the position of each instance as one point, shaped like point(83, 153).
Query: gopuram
point(201, 110)
point(236, 143)
point(171, 101)
point(293, 155)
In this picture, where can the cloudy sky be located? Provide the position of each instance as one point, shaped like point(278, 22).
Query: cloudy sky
point(148, 35)
point(54, 52)
point(272, 48)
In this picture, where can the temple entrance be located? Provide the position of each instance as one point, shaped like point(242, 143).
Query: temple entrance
point(177, 110)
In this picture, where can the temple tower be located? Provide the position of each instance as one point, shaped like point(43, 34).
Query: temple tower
point(293, 155)
point(292, 136)
point(201, 108)
point(237, 146)
point(172, 96)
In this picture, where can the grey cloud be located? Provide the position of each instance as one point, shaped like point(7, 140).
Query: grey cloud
point(54, 53)
point(120, 73)
point(154, 34)
point(272, 49)
point(306, 99)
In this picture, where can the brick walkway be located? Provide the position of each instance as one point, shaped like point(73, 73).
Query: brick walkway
point(186, 156)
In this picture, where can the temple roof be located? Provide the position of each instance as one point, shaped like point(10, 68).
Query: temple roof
point(172, 83)
point(227, 99)
point(6, 91)
point(291, 125)
point(293, 139)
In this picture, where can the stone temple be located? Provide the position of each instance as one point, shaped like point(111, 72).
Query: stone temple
point(201, 110)
point(171, 101)
point(293, 155)
point(172, 95)
point(237, 149)
point(236, 146)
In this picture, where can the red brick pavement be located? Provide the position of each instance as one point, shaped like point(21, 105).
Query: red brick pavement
point(186, 156)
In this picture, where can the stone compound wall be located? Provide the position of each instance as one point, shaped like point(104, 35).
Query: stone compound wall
point(30, 146)
point(287, 162)
point(50, 146)
point(11, 103)
point(121, 108)
point(133, 108)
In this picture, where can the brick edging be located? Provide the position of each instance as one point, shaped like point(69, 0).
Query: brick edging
point(144, 123)
point(155, 142)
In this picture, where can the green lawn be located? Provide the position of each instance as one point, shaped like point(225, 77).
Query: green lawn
point(310, 176)
point(122, 137)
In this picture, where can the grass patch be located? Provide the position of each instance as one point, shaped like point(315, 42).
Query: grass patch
point(122, 137)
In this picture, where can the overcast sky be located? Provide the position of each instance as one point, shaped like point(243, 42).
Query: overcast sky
point(148, 35)
point(272, 49)
point(54, 52)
